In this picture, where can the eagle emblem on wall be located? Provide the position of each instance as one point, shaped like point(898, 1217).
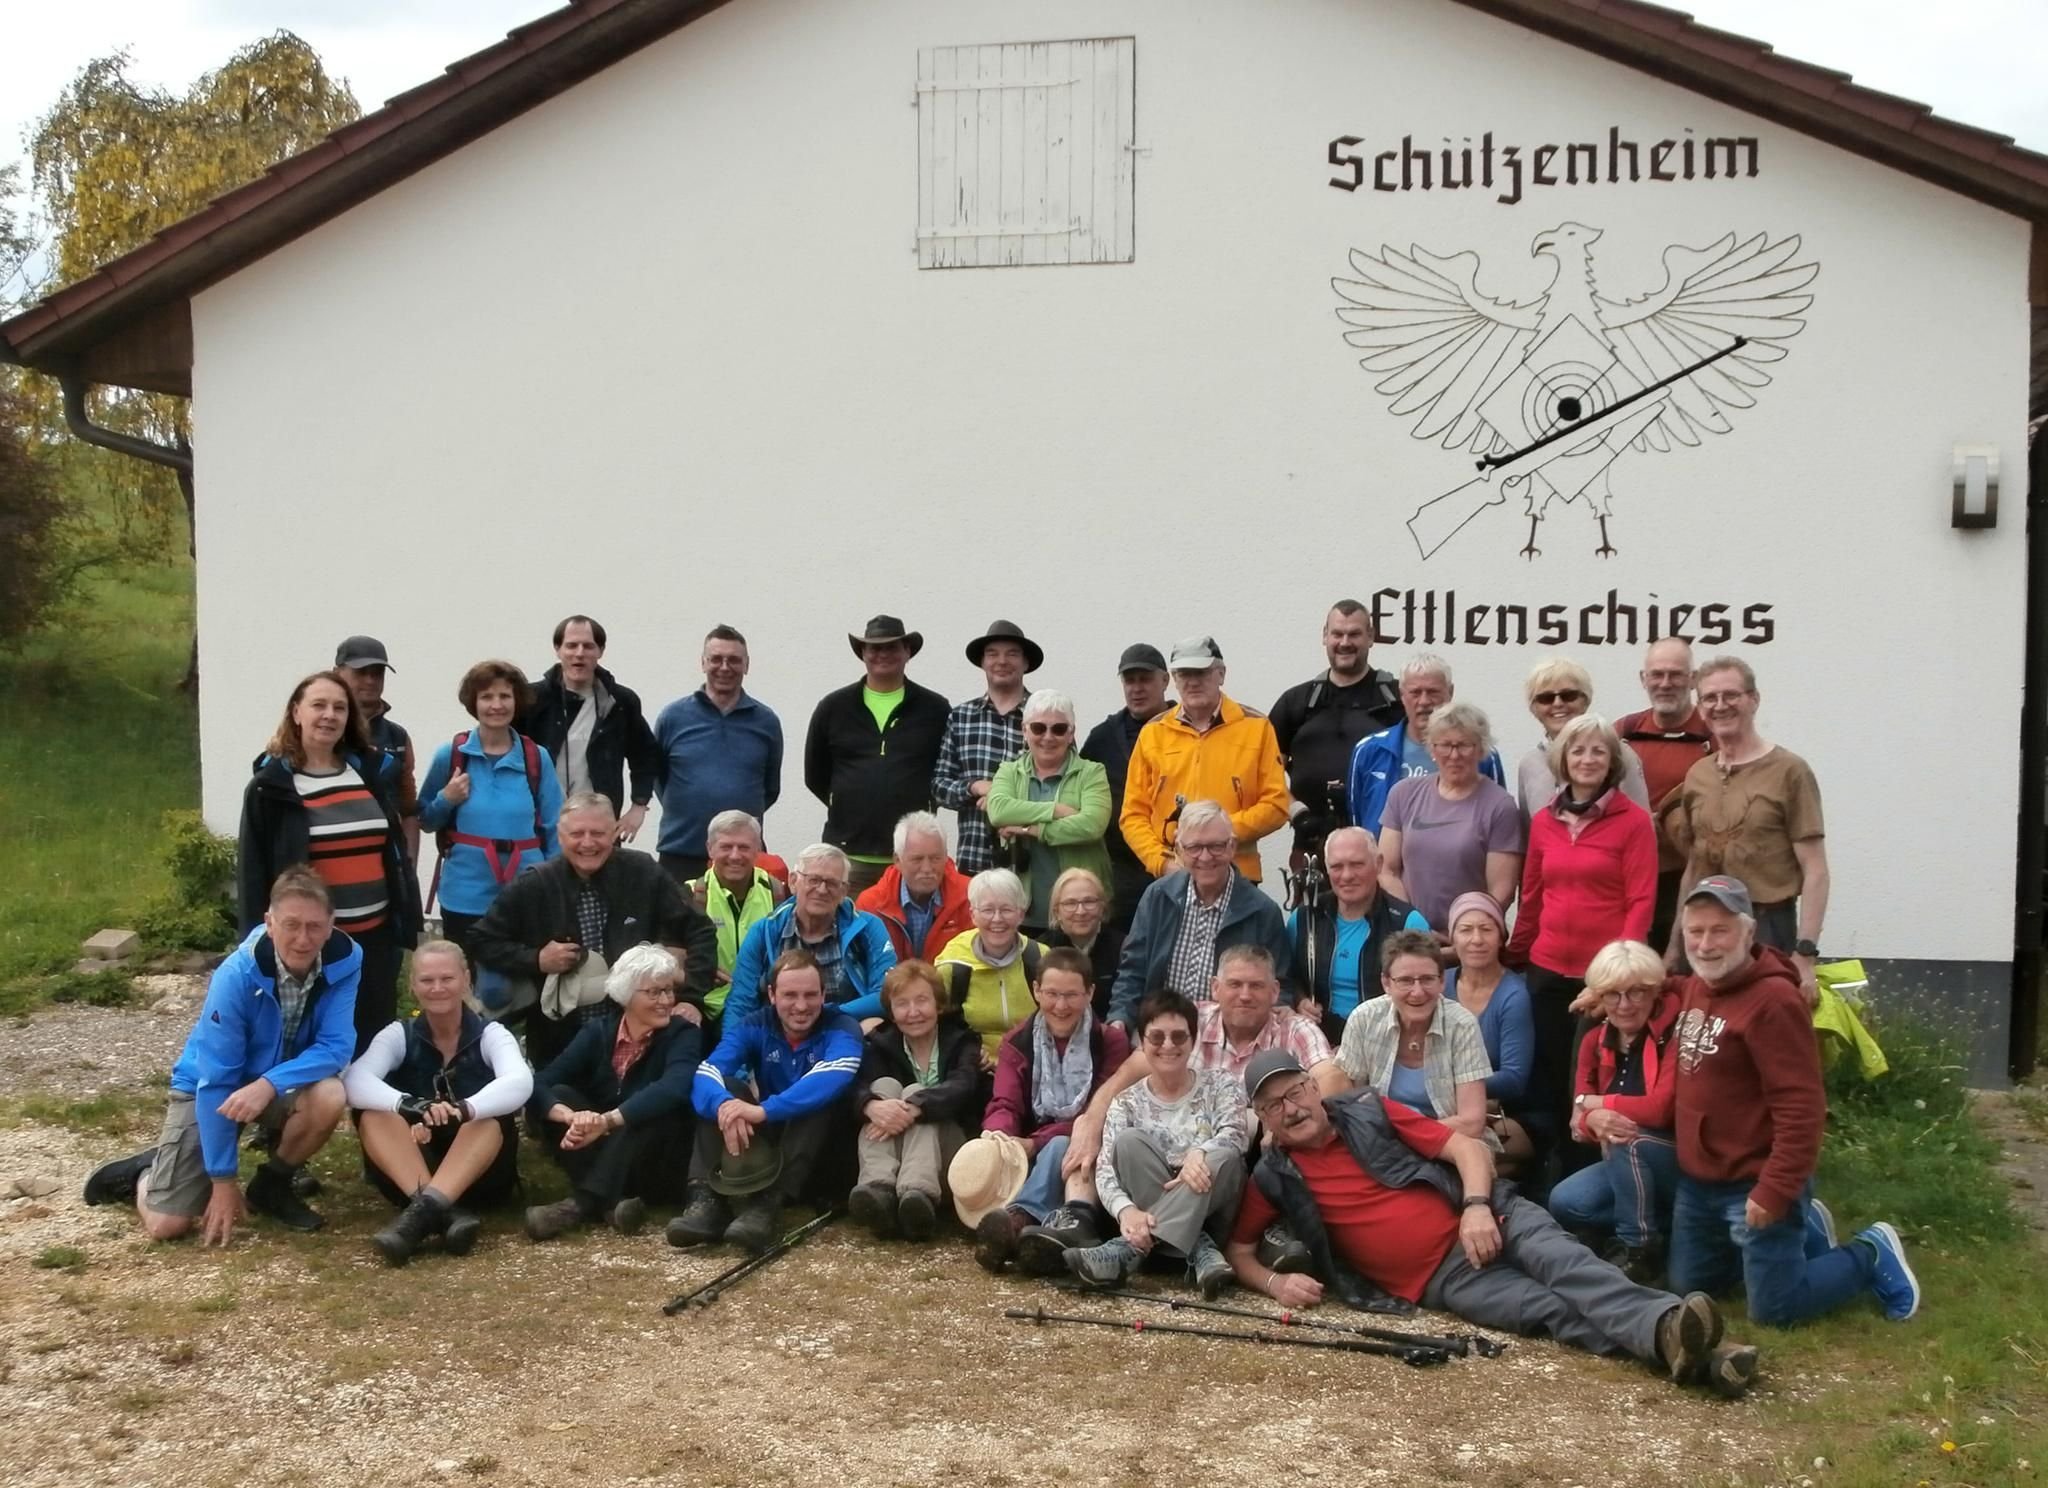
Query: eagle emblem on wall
point(1549, 392)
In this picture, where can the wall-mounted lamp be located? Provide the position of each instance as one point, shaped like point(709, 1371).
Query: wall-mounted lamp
point(1976, 486)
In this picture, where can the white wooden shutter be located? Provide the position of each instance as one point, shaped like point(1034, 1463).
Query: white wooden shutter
point(1024, 153)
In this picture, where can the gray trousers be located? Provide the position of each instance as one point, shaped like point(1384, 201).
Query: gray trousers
point(917, 1159)
point(1545, 1282)
point(1179, 1214)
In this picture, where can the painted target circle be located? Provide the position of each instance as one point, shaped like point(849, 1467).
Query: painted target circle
point(1566, 394)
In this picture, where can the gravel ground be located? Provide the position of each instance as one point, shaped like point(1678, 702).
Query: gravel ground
point(304, 1360)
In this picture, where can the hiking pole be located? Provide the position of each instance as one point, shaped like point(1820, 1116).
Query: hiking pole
point(710, 1291)
point(1418, 1356)
point(1463, 1345)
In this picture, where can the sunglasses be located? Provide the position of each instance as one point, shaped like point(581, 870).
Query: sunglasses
point(1053, 730)
point(1165, 1038)
point(1563, 695)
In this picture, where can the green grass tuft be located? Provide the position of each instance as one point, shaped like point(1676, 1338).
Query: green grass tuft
point(59, 1258)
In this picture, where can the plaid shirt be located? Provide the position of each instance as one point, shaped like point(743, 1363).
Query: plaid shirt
point(829, 954)
point(1453, 1051)
point(1193, 965)
point(978, 742)
point(1285, 1029)
point(590, 917)
point(291, 1000)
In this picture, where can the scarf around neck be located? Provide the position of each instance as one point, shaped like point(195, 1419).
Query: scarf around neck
point(1060, 1083)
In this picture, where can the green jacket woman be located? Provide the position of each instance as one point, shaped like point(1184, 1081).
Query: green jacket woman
point(1052, 804)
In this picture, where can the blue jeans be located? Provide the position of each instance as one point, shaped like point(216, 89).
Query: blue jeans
point(1712, 1246)
point(1044, 1190)
point(1629, 1191)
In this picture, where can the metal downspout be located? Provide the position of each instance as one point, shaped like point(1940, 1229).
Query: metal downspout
point(2027, 961)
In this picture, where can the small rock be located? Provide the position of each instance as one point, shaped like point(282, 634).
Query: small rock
point(445, 1466)
point(31, 1188)
point(112, 945)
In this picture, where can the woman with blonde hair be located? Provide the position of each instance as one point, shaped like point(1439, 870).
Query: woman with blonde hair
point(1080, 918)
point(1558, 690)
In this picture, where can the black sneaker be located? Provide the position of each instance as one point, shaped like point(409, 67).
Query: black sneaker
point(702, 1221)
point(114, 1182)
point(995, 1238)
point(459, 1232)
point(1042, 1248)
point(270, 1192)
point(1207, 1269)
point(1643, 1264)
point(628, 1215)
point(757, 1228)
point(306, 1183)
point(546, 1221)
point(414, 1223)
point(917, 1215)
point(1280, 1252)
point(873, 1207)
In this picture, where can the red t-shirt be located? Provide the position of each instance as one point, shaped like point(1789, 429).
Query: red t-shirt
point(1394, 1237)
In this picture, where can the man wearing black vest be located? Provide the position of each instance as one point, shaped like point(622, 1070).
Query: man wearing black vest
point(1320, 721)
point(1336, 947)
point(1393, 1204)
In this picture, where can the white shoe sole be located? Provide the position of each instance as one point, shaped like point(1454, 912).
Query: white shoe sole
point(1899, 1250)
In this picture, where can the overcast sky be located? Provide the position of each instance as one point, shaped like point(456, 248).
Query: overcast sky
point(1979, 61)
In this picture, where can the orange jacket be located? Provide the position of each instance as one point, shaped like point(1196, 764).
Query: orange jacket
point(1236, 764)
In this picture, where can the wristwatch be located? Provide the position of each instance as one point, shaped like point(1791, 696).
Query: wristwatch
point(1476, 1201)
point(1805, 948)
point(1582, 1102)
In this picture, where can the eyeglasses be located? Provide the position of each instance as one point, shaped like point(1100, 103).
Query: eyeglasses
point(999, 911)
point(1630, 994)
point(1722, 699)
point(833, 885)
point(1301, 1094)
point(1408, 983)
point(1562, 695)
point(1167, 1038)
point(1048, 730)
point(1081, 901)
point(658, 992)
point(1454, 746)
point(1208, 849)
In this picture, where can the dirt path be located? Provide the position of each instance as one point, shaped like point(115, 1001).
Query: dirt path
point(294, 1360)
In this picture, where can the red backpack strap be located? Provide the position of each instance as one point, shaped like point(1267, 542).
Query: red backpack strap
point(532, 754)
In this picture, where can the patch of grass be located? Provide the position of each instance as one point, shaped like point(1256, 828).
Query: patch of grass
point(217, 1303)
point(111, 1113)
point(479, 1463)
point(140, 1400)
point(96, 744)
point(2031, 1106)
point(59, 1258)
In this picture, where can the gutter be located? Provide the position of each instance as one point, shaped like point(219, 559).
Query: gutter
point(2031, 887)
point(82, 426)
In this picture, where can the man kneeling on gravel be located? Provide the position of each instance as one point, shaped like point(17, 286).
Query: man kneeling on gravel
point(1388, 1199)
point(276, 1029)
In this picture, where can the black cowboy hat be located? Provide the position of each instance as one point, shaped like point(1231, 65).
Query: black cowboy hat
point(882, 630)
point(1005, 630)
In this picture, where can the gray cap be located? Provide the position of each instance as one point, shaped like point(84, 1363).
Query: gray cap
point(1732, 894)
point(362, 651)
point(1140, 658)
point(1264, 1066)
point(1195, 654)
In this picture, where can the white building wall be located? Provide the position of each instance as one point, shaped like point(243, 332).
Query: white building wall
point(660, 350)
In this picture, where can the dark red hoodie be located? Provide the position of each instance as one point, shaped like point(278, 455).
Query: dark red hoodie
point(1750, 1102)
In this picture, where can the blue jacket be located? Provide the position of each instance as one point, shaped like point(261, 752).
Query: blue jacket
point(500, 807)
point(706, 762)
point(1252, 919)
point(1376, 770)
point(240, 1037)
point(1508, 1027)
point(864, 944)
point(794, 1079)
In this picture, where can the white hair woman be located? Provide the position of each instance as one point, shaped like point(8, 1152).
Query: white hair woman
point(1558, 690)
point(1590, 878)
point(436, 1098)
point(990, 968)
point(1455, 831)
point(1050, 805)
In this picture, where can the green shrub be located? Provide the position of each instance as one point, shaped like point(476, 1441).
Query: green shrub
point(198, 912)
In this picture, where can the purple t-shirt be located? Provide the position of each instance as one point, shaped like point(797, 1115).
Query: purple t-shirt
point(1444, 843)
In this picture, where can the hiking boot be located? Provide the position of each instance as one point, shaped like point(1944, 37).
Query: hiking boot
point(917, 1215)
point(702, 1221)
point(408, 1231)
point(873, 1207)
point(1207, 1269)
point(270, 1192)
point(306, 1183)
point(114, 1182)
point(1820, 1229)
point(1642, 1264)
point(627, 1216)
point(1280, 1252)
point(1686, 1335)
point(757, 1228)
point(995, 1238)
point(1732, 1370)
point(459, 1231)
point(1107, 1265)
point(1042, 1248)
point(546, 1221)
point(1892, 1279)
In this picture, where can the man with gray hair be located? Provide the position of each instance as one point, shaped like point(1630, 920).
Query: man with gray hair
point(1669, 737)
point(850, 946)
point(1400, 752)
point(567, 921)
point(736, 892)
point(922, 899)
point(1187, 918)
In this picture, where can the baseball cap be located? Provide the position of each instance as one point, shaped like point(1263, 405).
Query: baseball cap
point(362, 651)
point(1195, 654)
point(1732, 894)
point(1265, 1066)
point(1140, 658)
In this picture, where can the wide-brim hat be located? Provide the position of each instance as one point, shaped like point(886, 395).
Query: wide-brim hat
point(1007, 630)
point(986, 1174)
point(753, 1170)
point(882, 630)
